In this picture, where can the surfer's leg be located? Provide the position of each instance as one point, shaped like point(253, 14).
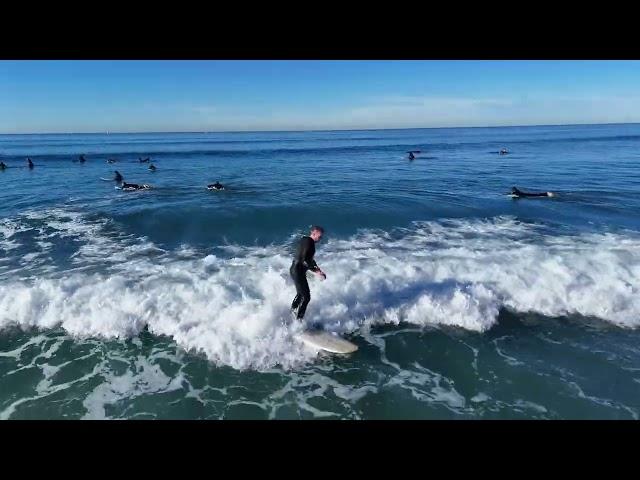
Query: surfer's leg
point(305, 295)
point(296, 302)
point(298, 297)
point(302, 291)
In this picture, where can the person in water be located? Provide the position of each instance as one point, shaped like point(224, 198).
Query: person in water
point(519, 193)
point(82, 159)
point(504, 151)
point(111, 160)
point(302, 262)
point(152, 167)
point(30, 163)
point(411, 156)
point(215, 186)
point(118, 178)
point(143, 160)
point(2, 166)
point(134, 186)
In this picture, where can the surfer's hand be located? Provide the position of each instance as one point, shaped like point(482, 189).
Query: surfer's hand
point(321, 274)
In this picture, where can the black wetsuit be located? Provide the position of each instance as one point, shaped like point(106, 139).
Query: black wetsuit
point(82, 159)
point(411, 156)
point(132, 185)
point(302, 262)
point(2, 166)
point(30, 163)
point(518, 193)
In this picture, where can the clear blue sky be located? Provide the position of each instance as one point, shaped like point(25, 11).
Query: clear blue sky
point(140, 96)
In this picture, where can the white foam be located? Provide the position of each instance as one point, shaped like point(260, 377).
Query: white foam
point(8, 228)
point(145, 378)
point(231, 309)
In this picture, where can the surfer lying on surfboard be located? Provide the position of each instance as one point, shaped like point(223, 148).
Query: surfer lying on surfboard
point(134, 186)
point(515, 193)
point(302, 262)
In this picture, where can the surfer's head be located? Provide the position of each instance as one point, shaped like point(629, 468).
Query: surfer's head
point(316, 233)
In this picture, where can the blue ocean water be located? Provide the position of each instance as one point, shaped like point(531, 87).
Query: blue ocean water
point(465, 303)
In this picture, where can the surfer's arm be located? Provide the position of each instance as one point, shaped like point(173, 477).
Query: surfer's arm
point(307, 254)
point(313, 266)
point(317, 270)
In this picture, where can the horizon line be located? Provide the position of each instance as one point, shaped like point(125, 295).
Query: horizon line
point(322, 130)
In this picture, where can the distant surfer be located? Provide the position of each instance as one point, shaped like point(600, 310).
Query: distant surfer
point(152, 167)
point(519, 194)
point(215, 186)
point(134, 186)
point(411, 154)
point(2, 166)
point(504, 151)
point(30, 163)
point(143, 160)
point(118, 177)
point(302, 262)
point(82, 159)
point(111, 160)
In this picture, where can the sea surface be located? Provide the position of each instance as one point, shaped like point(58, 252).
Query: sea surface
point(173, 303)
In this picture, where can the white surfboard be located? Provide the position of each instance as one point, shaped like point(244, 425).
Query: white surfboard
point(326, 341)
point(129, 189)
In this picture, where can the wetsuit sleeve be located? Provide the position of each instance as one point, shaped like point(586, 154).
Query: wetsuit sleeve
point(307, 251)
point(313, 266)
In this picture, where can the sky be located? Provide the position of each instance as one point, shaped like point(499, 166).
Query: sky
point(198, 96)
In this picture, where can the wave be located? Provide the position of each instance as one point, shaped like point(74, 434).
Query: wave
point(229, 303)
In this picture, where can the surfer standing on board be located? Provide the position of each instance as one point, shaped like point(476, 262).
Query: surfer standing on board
point(302, 262)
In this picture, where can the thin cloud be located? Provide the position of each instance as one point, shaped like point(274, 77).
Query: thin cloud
point(393, 111)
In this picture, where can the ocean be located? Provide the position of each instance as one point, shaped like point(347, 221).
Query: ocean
point(465, 303)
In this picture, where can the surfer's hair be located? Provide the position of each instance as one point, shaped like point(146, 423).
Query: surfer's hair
point(317, 228)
